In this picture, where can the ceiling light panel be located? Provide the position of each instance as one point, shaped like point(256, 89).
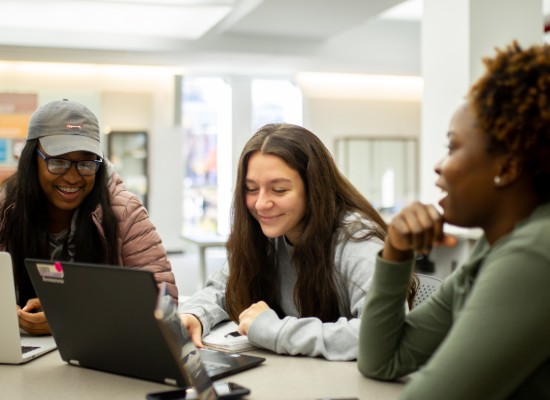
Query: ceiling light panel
point(168, 18)
point(410, 10)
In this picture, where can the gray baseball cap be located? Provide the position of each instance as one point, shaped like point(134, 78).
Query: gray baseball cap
point(64, 126)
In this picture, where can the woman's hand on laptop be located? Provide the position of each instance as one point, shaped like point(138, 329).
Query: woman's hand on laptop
point(32, 319)
point(194, 327)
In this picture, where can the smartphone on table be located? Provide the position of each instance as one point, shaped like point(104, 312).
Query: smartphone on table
point(225, 391)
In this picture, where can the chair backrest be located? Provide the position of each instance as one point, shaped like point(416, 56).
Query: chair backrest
point(427, 284)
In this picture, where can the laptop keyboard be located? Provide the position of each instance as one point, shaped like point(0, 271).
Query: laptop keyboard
point(26, 349)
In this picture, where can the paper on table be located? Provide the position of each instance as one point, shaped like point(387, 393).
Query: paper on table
point(219, 339)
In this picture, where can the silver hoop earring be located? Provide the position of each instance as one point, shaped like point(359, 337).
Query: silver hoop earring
point(497, 180)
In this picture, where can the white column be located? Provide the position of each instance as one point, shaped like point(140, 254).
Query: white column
point(456, 35)
point(229, 149)
point(241, 89)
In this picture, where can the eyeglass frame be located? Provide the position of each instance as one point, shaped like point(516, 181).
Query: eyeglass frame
point(77, 163)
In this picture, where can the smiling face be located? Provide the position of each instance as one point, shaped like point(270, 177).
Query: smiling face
point(467, 174)
point(65, 192)
point(275, 196)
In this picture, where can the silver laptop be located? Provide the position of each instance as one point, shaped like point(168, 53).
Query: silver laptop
point(16, 347)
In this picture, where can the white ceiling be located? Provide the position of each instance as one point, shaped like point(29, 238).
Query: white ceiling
point(269, 36)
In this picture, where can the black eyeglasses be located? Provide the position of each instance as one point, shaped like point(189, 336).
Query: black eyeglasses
point(59, 166)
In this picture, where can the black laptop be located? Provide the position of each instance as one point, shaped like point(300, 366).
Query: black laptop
point(102, 317)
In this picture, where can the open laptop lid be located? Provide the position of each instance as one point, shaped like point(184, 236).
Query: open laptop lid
point(16, 348)
point(102, 317)
point(182, 347)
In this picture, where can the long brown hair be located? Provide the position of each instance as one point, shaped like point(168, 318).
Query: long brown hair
point(330, 196)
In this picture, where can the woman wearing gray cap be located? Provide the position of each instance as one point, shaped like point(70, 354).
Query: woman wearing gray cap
point(65, 202)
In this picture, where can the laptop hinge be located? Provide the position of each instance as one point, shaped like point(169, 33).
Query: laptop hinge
point(170, 381)
point(74, 362)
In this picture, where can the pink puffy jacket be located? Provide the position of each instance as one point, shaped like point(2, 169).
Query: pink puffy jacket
point(138, 243)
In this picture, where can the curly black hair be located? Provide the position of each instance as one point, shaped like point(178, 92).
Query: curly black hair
point(512, 106)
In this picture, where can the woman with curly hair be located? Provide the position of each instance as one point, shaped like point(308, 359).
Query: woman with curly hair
point(300, 253)
point(485, 333)
point(66, 203)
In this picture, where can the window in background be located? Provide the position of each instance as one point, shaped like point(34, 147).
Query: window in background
point(275, 100)
point(206, 117)
point(206, 113)
point(128, 151)
point(383, 169)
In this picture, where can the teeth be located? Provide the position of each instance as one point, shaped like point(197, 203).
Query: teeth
point(69, 189)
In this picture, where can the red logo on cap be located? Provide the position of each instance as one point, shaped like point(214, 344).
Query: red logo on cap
point(73, 126)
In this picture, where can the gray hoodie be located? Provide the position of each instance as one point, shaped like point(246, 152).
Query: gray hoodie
point(354, 261)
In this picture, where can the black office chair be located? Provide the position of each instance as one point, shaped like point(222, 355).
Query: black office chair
point(427, 284)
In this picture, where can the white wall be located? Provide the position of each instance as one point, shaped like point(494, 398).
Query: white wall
point(341, 117)
point(329, 118)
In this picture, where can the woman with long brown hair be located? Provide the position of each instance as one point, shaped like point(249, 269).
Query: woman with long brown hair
point(300, 253)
